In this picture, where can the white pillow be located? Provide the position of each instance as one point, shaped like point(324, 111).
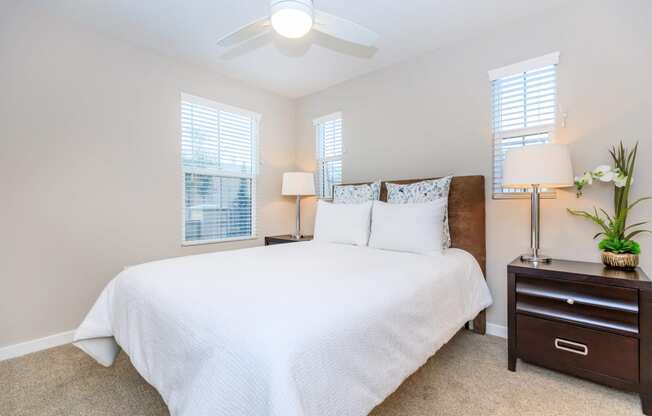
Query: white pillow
point(415, 228)
point(343, 223)
point(424, 191)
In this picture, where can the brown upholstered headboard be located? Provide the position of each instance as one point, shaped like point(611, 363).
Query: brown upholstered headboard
point(466, 218)
point(466, 213)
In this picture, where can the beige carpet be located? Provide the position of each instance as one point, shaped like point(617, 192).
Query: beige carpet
point(467, 377)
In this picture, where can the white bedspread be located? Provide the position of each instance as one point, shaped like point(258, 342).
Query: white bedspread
point(308, 329)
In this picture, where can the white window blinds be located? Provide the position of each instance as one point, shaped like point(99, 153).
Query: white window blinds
point(524, 103)
point(219, 158)
point(329, 150)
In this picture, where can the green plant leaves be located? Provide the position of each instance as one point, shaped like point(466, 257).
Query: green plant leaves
point(593, 217)
point(635, 233)
point(618, 246)
point(638, 224)
point(633, 204)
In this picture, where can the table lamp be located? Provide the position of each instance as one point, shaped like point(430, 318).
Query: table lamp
point(298, 184)
point(536, 167)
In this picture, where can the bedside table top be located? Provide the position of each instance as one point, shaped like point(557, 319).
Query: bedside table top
point(596, 271)
point(288, 237)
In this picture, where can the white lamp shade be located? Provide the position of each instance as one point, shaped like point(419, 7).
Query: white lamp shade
point(547, 165)
point(298, 183)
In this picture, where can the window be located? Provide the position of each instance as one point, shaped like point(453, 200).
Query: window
point(219, 155)
point(329, 152)
point(524, 103)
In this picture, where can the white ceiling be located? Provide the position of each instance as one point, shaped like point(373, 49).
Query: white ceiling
point(188, 29)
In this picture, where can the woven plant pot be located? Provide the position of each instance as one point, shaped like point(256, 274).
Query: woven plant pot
point(619, 261)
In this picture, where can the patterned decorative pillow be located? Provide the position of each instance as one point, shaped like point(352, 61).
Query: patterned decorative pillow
point(420, 192)
point(356, 194)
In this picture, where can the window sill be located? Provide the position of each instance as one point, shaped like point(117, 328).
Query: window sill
point(224, 240)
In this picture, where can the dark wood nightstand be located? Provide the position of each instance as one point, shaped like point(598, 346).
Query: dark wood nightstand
point(583, 319)
point(282, 239)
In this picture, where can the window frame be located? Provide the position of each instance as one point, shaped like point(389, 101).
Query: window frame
point(498, 137)
point(322, 191)
point(256, 118)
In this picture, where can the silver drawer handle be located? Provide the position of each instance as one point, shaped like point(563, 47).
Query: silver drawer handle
point(577, 348)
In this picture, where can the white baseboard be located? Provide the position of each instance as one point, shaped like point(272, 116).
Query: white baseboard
point(496, 330)
point(16, 350)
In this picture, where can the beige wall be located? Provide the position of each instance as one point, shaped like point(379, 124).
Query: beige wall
point(89, 145)
point(430, 116)
point(90, 166)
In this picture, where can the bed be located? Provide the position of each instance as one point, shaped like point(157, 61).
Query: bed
point(297, 329)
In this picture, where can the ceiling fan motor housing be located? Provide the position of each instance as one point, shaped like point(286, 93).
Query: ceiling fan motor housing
point(305, 6)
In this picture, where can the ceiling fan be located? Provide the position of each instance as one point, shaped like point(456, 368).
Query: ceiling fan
point(294, 19)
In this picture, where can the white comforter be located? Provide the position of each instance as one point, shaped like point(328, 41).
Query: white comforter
point(285, 330)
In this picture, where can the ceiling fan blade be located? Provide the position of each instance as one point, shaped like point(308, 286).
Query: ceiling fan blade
point(245, 33)
point(344, 29)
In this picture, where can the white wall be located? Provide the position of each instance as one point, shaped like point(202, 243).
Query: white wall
point(431, 116)
point(90, 165)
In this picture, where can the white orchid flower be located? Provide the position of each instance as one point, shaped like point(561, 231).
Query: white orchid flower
point(620, 182)
point(585, 179)
point(603, 173)
point(582, 181)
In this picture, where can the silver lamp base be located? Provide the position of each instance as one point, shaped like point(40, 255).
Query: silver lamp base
point(297, 224)
point(536, 258)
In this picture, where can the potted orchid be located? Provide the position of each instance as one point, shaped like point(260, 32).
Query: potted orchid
point(617, 245)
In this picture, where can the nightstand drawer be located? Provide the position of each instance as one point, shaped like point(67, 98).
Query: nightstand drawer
point(606, 297)
point(599, 307)
point(580, 351)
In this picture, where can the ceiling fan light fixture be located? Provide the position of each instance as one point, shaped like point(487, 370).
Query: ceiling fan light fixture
point(292, 18)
